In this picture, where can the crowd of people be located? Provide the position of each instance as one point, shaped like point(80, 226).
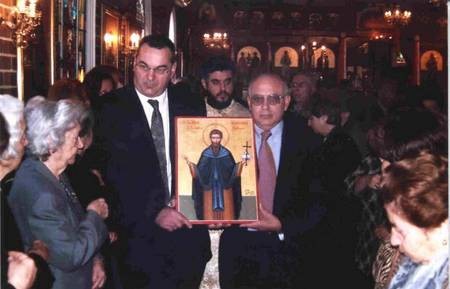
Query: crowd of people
point(353, 188)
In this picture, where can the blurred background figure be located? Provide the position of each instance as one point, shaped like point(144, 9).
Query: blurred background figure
point(114, 72)
point(303, 86)
point(97, 83)
point(67, 89)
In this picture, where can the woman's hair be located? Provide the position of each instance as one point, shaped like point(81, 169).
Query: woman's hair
point(86, 123)
point(93, 82)
point(406, 132)
point(322, 106)
point(48, 122)
point(67, 89)
point(4, 134)
point(418, 188)
point(12, 110)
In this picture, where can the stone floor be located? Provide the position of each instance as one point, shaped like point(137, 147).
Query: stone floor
point(211, 275)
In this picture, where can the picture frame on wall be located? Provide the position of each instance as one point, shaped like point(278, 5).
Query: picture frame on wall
point(110, 37)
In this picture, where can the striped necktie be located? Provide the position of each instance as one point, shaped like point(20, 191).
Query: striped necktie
point(157, 130)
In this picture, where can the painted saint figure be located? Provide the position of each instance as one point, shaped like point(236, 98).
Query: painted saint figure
point(285, 62)
point(216, 186)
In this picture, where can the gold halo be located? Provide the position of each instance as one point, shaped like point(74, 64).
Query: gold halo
point(209, 128)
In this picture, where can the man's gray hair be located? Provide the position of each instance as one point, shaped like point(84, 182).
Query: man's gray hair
point(48, 122)
point(12, 110)
point(310, 77)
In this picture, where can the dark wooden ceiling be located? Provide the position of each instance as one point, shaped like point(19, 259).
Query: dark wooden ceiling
point(126, 4)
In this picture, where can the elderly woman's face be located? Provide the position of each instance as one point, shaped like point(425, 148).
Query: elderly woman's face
point(410, 239)
point(72, 143)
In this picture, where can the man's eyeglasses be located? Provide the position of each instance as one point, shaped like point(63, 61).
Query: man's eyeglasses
point(273, 99)
point(160, 70)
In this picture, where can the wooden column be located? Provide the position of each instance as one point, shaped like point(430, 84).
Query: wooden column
point(415, 79)
point(342, 58)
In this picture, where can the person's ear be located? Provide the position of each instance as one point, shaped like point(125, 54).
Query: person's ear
point(286, 101)
point(204, 84)
point(323, 119)
point(173, 70)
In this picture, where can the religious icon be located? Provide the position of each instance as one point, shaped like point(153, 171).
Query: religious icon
point(431, 61)
point(216, 170)
point(207, 12)
point(286, 57)
point(285, 65)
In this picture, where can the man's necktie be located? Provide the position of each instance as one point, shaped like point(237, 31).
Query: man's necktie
point(158, 140)
point(267, 172)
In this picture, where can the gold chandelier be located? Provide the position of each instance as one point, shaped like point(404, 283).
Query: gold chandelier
point(23, 20)
point(216, 40)
point(397, 16)
point(183, 3)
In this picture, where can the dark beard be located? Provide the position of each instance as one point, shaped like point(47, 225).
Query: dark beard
point(218, 104)
point(215, 149)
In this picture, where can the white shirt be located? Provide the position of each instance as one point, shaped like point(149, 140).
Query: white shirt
point(163, 104)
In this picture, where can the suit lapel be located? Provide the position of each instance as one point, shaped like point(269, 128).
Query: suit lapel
point(137, 114)
point(287, 156)
point(175, 109)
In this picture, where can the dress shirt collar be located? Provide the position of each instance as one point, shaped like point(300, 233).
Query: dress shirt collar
point(162, 99)
point(276, 131)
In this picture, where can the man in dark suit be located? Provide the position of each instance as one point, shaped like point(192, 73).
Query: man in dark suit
point(264, 253)
point(135, 129)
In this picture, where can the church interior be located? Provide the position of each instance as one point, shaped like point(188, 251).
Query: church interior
point(331, 96)
point(341, 40)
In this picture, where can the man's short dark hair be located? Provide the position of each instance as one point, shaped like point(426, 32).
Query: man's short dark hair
point(215, 131)
point(322, 106)
point(216, 63)
point(159, 42)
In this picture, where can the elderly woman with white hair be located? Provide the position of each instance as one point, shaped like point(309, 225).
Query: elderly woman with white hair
point(12, 110)
point(45, 205)
point(19, 270)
